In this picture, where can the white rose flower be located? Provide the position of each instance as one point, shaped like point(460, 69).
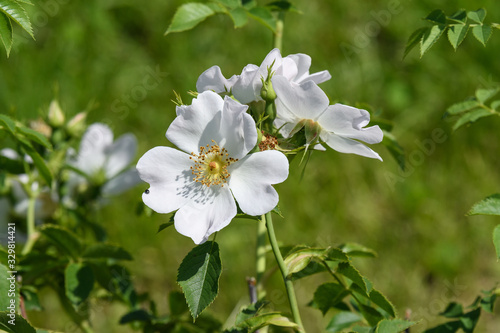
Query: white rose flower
point(338, 125)
point(213, 168)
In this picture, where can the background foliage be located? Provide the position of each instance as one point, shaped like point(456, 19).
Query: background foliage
point(112, 57)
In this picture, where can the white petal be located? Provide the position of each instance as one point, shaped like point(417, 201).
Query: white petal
point(244, 89)
point(91, 156)
point(288, 69)
point(187, 128)
point(212, 79)
point(303, 62)
point(121, 182)
point(348, 122)
point(120, 154)
point(285, 126)
point(317, 78)
point(305, 101)
point(168, 174)
point(348, 146)
point(237, 131)
point(199, 220)
point(251, 180)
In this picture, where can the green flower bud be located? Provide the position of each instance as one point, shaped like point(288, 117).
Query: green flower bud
point(76, 126)
point(267, 92)
point(56, 116)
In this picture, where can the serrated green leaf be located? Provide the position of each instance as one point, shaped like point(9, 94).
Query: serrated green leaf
point(477, 15)
point(266, 319)
point(198, 276)
point(136, 315)
point(430, 37)
point(106, 251)
point(5, 287)
point(298, 260)
point(231, 4)
point(393, 325)
point(312, 268)
point(21, 324)
point(78, 282)
point(414, 39)
point(6, 32)
point(239, 17)
point(436, 16)
point(470, 319)
point(188, 16)
point(63, 239)
point(264, 16)
point(482, 33)
point(352, 274)
point(336, 254)
point(453, 310)
point(496, 240)
point(372, 316)
point(483, 95)
point(488, 206)
point(459, 16)
point(277, 6)
point(462, 107)
point(35, 136)
point(342, 320)
point(8, 123)
point(471, 117)
point(249, 311)
point(381, 301)
point(449, 327)
point(456, 34)
point(328, 295)
point(16, 12)
point(488, 301)
point(357, 250)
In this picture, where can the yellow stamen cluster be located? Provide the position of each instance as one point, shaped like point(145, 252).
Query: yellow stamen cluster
point(210, 165)
point(268, 143)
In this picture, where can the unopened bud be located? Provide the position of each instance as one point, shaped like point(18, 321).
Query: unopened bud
point(56, 116)
point(76, 126)
point(267, 92)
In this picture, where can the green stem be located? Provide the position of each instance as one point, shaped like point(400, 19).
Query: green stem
point(260, 260)
point(284, 272)
point(32, 236)
point(278, 33)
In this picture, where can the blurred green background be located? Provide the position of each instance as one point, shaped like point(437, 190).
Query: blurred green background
point(112, 57)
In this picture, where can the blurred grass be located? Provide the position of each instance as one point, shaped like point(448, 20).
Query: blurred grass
point(97, 54)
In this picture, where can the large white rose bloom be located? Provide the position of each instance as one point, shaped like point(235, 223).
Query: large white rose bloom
point(212, 169)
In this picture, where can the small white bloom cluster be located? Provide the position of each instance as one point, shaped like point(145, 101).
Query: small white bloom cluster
point(218, 162)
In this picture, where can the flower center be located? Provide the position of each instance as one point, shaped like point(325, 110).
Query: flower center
point(210, 165)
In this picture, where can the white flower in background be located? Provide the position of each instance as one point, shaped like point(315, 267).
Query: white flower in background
point(339, 126)
point(246, 87)
point(215, 136)
point(105, 162)
point(16, 203)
